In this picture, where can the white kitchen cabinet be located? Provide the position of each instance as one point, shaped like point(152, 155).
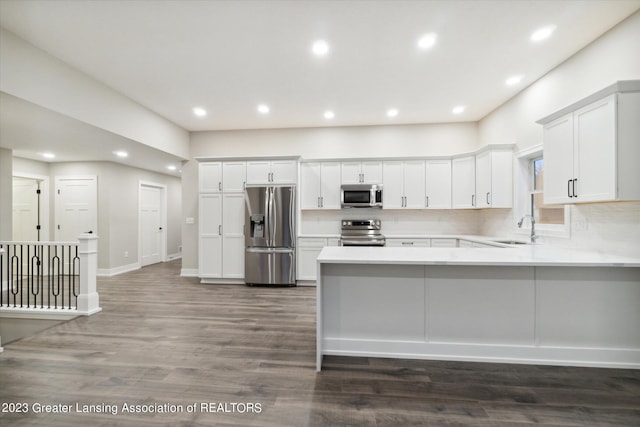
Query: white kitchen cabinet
point(404, 184)
point(233, 214)
point(210, 177)
point(267, 172)
point(591, 151)
point(308, 251)
point(361, 172)
point(234, 176)
point(494, 179)
point(415, 243)
point(444, 243)
point(438, 184)
point(210, 235)
point(320, 185)
point(463, 182)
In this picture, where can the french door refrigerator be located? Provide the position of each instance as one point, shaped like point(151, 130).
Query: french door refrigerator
point(270, 235)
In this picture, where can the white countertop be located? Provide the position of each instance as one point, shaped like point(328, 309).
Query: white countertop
point(521, 255)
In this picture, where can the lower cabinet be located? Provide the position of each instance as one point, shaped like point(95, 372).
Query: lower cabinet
point(308, 250)
point(416, 243)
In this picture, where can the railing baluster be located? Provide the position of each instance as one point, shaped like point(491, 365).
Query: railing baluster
point(41, 270)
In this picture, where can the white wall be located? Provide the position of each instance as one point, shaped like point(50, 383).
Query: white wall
point(610, 227)
point(6, 191)
point(34, 75)
point(117, 206)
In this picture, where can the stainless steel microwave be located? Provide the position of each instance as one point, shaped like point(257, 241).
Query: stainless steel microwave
point(361, 196)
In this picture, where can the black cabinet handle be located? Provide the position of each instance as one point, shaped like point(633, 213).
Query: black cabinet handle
point(574, 188)
point(488, 198)
point(473, 200)
point(569, 188)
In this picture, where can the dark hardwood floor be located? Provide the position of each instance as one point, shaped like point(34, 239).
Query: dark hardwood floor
point(166, 340)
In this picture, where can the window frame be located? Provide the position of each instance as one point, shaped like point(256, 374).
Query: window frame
point(525, 189)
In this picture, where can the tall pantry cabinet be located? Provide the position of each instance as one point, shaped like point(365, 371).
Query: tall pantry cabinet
point(221, 220)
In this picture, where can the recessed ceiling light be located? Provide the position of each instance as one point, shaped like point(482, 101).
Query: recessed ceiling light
point(263, 108)
point(48, 155)
point(458, 110)
point(329, 115)
point(514, 80)
point(121, 153)
point(542, 33)
point(171, 167)
point(320, 47)
point(200, 112)
point(427, 41)
point(392, 112)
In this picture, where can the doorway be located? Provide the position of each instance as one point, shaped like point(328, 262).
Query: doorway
point(152, 217)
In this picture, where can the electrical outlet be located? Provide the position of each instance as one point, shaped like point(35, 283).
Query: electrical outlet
point(126, 254)
point(189, 220)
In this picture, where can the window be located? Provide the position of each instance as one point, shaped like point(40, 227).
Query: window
point(543, 214)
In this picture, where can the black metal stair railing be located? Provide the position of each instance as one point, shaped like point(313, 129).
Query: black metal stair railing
point(39, 275)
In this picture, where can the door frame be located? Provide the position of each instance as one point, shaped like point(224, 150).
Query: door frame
point(45, 212)
point(163, 218)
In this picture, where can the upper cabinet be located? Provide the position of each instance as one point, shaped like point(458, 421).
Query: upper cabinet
point(362, 172)
point(268, 172)
point(404, 184)
point(234, 176)
point(320, 185)
point(438, 184)
point(494, 179)
point(591, 148)
point(210, 177)
point(463, 182)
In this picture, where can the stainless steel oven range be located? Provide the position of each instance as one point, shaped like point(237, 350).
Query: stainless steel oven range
point(361, 232)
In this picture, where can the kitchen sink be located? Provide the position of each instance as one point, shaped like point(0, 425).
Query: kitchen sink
point(511, 242)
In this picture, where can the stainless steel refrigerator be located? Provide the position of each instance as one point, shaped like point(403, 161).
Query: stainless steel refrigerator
point(270, 235)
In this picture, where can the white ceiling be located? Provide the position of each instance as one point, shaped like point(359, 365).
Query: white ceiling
point(230, 56)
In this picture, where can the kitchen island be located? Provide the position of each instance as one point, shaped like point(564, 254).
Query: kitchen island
point(529, 304)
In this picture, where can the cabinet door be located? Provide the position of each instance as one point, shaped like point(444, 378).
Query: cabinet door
point(483, 179)
point(414, 185)
point(463, 185)
point(372, 172)
point(438, 184)
point(595, 151)
point(351, 172)
point(233, 215)
point(258, 172)
point(210, 177)
point(284, 172)
point(234, 176)
point(330, 185)
point(558, 160)
point(210, 235)
point(393, 193)
point(501, 179)
point(310, 182)
point(308, 251)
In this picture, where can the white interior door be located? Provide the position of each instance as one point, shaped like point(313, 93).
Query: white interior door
point(76, 207)
point(151, 228)
point(25, 209)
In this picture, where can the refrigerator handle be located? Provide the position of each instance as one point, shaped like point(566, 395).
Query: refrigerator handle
point(272, 217)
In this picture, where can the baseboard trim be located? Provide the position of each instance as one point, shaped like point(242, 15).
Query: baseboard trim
point(108, 272)
point(206, 281)
point(175, 256)
point(189, 272)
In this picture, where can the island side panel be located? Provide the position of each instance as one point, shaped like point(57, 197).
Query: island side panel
point(594, 308)
point(372, 302)
point(481, 305)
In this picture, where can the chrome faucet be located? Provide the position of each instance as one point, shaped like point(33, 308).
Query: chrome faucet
point(534, 237)
point(533, 227)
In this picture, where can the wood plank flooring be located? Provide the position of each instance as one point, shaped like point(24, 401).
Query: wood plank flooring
point(162, 339)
